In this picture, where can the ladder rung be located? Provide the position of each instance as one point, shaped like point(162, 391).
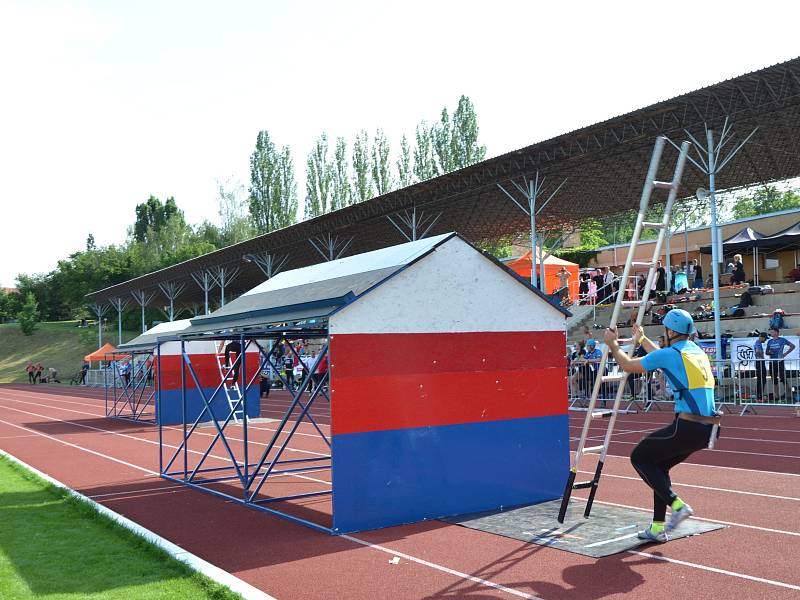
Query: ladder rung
point(662, 185)
point(582, 485)
point(611, 378)
point(593, 449)
point(598, 414)
point(643, 264)
point(653, 225)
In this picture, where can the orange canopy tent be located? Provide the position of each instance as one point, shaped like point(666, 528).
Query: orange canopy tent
point(105, 352)
point(552, 265)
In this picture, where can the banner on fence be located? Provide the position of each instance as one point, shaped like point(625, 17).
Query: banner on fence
point(743, 355)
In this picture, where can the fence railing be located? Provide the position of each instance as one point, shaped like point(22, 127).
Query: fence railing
point(739, 385)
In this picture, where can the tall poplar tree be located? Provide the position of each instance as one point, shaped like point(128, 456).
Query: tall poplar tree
point(318, 180)
point(362, 185)
point(273, 191)
point(441, 134)
point(464, 147)
point(405, 175)
point(341, 191)
point(424, 160)
point(380, 165)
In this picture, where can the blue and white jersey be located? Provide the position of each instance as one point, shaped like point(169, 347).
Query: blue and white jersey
point(688, 370)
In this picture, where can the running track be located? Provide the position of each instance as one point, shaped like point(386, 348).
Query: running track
point(750, 482)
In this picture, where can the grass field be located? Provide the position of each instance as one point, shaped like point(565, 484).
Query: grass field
point(56, 547)
point(61, 345)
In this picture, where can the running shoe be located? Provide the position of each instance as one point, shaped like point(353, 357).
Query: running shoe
point(679, 516)
point(648, 535)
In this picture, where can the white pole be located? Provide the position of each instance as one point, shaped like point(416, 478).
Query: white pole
point(715, 249)
point(532, 191)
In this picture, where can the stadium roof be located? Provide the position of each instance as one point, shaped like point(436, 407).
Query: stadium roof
point(604, 166)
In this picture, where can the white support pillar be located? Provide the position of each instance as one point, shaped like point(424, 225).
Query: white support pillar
point(171, 290)
point(330, 247)
point(119, 305)
point(269, 264)
point(412, 224)
point(100, 310)
point(205, 280)
point(223, 276)
point(143, 299)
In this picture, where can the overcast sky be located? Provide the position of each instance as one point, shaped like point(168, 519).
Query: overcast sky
point(104, 103)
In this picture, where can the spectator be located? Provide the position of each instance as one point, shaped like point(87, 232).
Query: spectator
point(288, 368)
point(592, 357)
point(794, 274)
point(641, 283)
point(698, 275)
point(738, 276)
point(599, 281)
point(52, 375)
point(608, 285)
point(125, 373)
point(761, 367)
point(563, 282)
point(709, 282)
point(577, 365)
point(264, 383)
point(775, 351)
point(31, 371)
point(84, 372)
point(661, 277)
point(37, 376)
point(583, 288)
point(322, 369)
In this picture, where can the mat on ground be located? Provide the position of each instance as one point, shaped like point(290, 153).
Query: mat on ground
point(609, 530)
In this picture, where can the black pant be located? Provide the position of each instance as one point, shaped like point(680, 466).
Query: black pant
point(761, 377)
point(657, 453)
point(777, 370)
point(31, 379)
point(288, 374)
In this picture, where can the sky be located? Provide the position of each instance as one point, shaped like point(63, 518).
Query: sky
point(104, 103)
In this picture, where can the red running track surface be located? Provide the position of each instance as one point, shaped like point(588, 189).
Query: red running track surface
point(751, 482)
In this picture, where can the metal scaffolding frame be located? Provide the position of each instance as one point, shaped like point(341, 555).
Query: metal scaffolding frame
point(135, 401)
point(247, 473)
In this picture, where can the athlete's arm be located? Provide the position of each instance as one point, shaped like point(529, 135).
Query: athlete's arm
point(791, 347)
point(646, 343)
point(626, 363)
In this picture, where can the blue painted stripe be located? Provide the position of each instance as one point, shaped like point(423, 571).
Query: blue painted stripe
point(170, 401)
point(383, 478)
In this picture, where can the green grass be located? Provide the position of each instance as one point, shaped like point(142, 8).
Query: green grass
point(61, 345)
point(55, 546)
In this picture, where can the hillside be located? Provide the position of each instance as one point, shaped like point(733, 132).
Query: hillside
point(61, 345)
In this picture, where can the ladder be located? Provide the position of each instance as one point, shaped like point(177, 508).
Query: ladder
point(231, 388)
point(651, 184)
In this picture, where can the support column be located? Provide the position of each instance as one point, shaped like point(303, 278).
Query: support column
point(709, 163)
point(330, 247)
point(531, 191)
point(100, 310)
point(143, 299)
point(412, 224)
point(205, 280)
point(119, 305)
point(171, 290)
point(223, 276)
point(270, 264)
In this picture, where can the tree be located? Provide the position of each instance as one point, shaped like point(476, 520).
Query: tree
point(380, 167)
point(766, 200)
point(152, 215)
point(318, 180)
point(341, 192)
point(362, 186)
point(405, 175)
point(592, 234)
point(464, 147)
point(90, 243)
point(424, 161)
point(28, 317)
point(232, 208)
point(442, 136)
point(273, 191)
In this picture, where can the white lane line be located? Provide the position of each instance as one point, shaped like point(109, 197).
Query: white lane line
point(154, 489)
point(194, 562)
point(612, 540)
point(76, 446)
point(690, 464)
point(702, 487)
point(444, 569)
point(420, 561)
point(717, 521)
point(715, 570)
point(727, 451)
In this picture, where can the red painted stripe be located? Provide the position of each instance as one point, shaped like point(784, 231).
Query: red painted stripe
point(409, 353)
point(205, 367)
point(380, 402)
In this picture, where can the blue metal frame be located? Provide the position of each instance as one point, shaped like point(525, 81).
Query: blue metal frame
point(249, 476)
point(135, 401)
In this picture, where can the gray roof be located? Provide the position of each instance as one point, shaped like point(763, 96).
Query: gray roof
point(604, 166)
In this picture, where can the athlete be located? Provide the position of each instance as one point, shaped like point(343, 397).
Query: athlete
point(688, 370)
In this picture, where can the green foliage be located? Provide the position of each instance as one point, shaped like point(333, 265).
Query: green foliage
point(464, 147)
point(404, 172)
point(592, 234)
point(318, 179)
point(341, 192)
point(499, 248)
point(152, 216)
point(765, 200)
point(28, 317)
point(380, 168)
point(273, 191)
point(234, 222)
point(362, 184)
point(581, 255)
point(424, 160)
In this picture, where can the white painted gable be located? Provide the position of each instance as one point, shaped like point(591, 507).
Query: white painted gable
point(453, 289)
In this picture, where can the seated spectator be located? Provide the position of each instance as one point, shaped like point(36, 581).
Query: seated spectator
point(52, 375)
point(794, 274)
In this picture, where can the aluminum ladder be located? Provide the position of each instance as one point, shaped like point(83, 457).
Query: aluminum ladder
point(232, 391)
point(650, 184)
